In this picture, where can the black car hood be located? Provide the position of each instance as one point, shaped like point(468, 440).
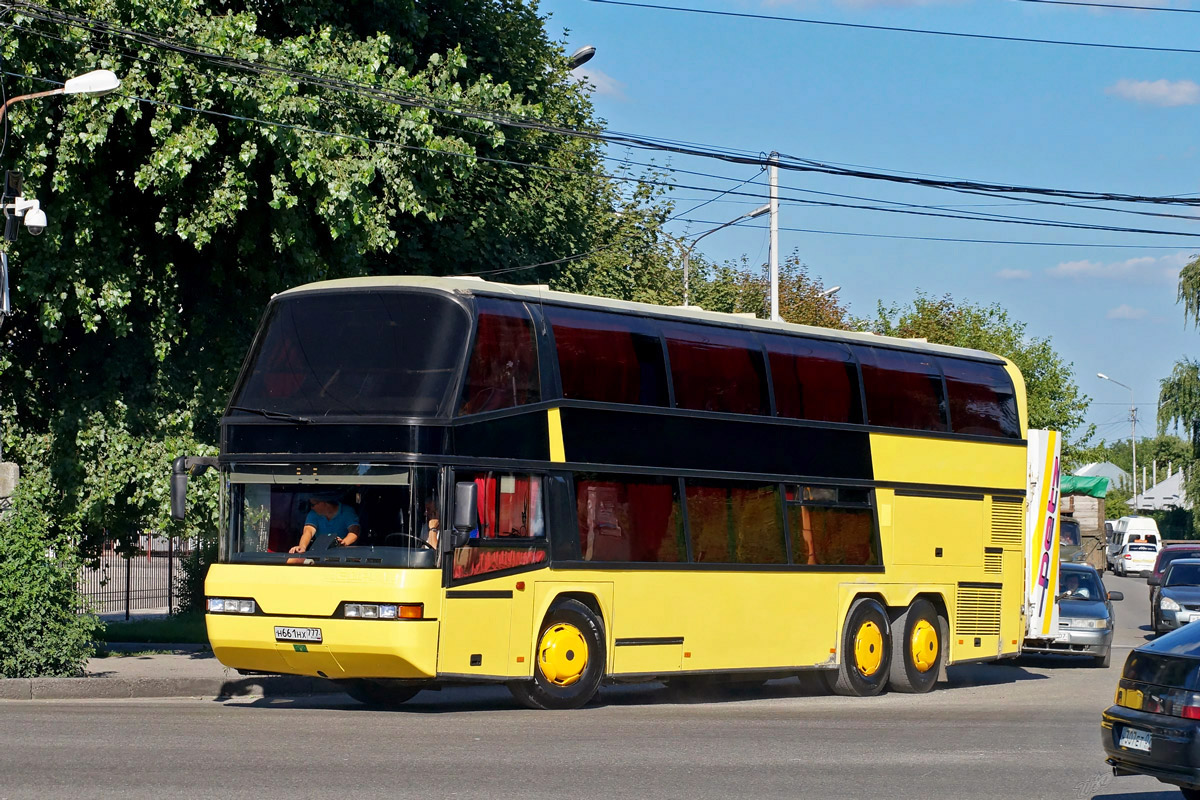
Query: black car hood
point(1182, 594)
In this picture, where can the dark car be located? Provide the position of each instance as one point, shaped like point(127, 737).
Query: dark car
point(1085, 616)
point(1168, 554)
point(1154, 727)
point(1179, 596)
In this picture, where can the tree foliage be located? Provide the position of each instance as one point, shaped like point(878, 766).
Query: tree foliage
point(1053, 396)
point(172, 227)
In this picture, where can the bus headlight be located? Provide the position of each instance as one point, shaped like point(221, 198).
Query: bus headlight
point(383, 611)
point(231, 605)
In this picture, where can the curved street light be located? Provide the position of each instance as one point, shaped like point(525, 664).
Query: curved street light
point(1132, 434)
point(687, 249)
point(99, 81)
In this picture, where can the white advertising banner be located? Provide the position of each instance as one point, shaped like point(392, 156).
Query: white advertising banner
point(1041, 535)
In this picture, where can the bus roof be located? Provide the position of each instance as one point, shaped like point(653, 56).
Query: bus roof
point(542, 293)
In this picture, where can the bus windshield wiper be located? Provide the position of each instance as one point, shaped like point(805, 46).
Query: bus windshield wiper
point(272, 414)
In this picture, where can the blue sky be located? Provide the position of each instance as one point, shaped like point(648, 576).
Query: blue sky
point(1002, 112)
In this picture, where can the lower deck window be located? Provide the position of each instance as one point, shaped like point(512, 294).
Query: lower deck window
point(735, 523)
point(828, 529)
point(629, 518)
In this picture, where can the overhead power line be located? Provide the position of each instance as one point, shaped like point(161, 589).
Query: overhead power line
point(1121, 6)
point(897, 29)
point(611, 137)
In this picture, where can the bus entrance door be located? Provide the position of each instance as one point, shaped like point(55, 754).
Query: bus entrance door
point(475, 628)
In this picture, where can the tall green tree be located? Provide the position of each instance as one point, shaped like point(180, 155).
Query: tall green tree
point(1054, 398)
point(252, 147)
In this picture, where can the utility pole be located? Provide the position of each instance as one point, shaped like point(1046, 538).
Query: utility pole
point(1132, 435)
point(773, 178)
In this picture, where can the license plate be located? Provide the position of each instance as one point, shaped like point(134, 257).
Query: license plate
point(1133, 739)
point(297, 634)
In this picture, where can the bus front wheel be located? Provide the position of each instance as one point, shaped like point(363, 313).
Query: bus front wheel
point(866, 651)
point(917, 648)
point(569, 662)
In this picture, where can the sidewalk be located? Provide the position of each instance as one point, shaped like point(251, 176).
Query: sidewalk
point(185, 672)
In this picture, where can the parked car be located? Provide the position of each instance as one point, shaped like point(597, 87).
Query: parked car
point(1153, 728)
point(1179, 596)
point(1137, 558)
point(1085, 616)
point(1136, 530)
point(1168, 554)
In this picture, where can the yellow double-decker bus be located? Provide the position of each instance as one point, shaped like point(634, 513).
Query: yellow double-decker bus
point(429, 481)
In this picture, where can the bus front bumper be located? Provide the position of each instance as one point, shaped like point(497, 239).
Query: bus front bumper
point(354, 648)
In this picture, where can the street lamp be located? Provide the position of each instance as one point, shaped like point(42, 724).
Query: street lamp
point(687, 249)
point(831, 292)
point(1132, 433)
point(580, 56)
point(99, 81)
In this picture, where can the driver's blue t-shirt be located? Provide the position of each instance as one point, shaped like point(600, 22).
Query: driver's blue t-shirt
point(338, 526)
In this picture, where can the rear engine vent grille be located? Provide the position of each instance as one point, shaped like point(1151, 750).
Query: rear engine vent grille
point(1008, 522)
point(993, 562)
point(978, 611)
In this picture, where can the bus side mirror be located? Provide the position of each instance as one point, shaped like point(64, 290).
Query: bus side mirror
point(180, 469)
point(466, 512)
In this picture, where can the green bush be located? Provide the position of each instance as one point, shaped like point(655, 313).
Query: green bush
point(194, 568)
point(42, 632)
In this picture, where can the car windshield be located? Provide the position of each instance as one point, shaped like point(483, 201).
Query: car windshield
point(1068, 533)
point(365, 520)
point(1079, 585)
point(1183, 575)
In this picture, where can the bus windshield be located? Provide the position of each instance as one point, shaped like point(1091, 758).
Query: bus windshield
point(368, 520)
point(354, 353)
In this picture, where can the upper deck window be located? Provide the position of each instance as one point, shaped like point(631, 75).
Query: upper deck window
point(609, 358)
point(903, 388)
point(814, 379)
point(503, 371)
point(982, 399)
point(355, 353)
point(717, 369)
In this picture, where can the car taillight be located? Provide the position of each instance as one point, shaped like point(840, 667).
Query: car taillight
point(1128, 556)
point(1187, 704)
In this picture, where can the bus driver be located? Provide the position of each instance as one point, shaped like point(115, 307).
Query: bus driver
point(330, 521)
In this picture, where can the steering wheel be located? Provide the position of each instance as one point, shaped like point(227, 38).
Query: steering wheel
point(408, 537)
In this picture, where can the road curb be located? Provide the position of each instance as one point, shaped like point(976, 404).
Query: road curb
point(96, 688)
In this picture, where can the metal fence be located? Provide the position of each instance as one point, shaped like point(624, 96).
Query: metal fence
point(142, 580)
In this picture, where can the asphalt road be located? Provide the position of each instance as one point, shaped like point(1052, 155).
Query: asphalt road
point(1028, 729)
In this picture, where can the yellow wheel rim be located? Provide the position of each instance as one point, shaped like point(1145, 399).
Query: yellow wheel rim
point(868, 648)
point(562, 654)
point(924, 646)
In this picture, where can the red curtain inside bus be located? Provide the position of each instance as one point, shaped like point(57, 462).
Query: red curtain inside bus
point(814, 380)
point(608, 358)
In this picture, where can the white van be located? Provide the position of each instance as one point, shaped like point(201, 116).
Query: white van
point(1135, 530)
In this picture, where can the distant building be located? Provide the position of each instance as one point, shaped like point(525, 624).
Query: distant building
point(1163, 496)
point(1104, 469)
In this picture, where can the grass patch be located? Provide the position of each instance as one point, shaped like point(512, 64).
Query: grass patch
point(179, 629)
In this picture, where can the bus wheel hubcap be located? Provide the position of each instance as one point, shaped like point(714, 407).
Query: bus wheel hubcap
point(924, 646)
point(562, 654)
point(868, 648)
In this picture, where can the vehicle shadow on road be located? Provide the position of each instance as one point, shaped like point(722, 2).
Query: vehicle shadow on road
point(1166, 794)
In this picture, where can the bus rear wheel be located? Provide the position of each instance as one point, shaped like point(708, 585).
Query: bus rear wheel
point(380, 693)
point(569, 662)
point(917, 648)
point(866, 651)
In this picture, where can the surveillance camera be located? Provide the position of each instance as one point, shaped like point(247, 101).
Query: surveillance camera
point(35, 221)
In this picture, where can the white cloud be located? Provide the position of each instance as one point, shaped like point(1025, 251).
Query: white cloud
point(1126, 311)
point(1014, 274)
point(1143, 269)
point(1157, 93)
point(605, 84)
